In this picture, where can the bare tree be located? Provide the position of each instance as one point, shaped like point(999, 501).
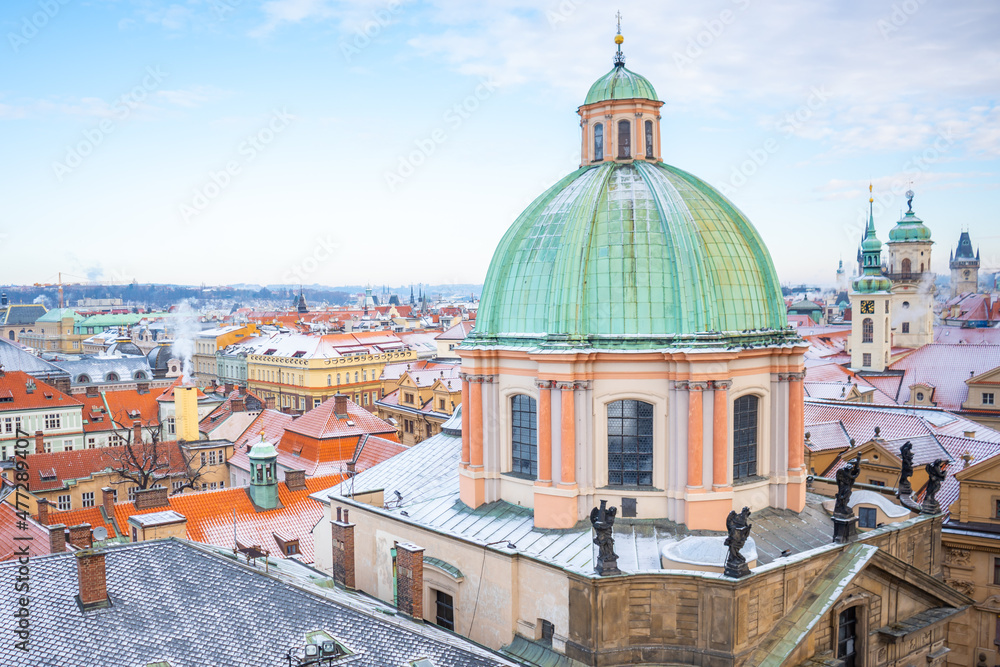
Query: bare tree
point(145, 464)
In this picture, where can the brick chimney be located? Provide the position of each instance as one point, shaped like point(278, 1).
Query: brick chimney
point(269, 402)
point(108, 502)
point(43, 511)
point(92, 576)
point(410, 579)
point(229, 388)
point(39, 443)
point(80, 536)
point(136, 431)
point(57, 538)
point(343, 549)
point(239, 404)
point(295, 480)
point(340, 405)
point(92, 391)
point(142, 387)
point(148, 499)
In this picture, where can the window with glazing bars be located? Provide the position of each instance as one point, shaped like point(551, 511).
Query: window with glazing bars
point(524, 435)
point(867, 330)
point(745, 436)
point(598, 142)
point(444, 615)
point(649, 138)
point(847, 636)
point(630, 443)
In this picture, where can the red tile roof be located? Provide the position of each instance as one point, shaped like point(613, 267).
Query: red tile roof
point(60, 467)
point(91, 515)
point(14, 393)
point(272, 422)
point(210, 516)
point(321, 422)
point(219, 414)
point(947, 367)
point(13, 527)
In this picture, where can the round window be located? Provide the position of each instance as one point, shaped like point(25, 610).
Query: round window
point(906, 304)
point(920, 395)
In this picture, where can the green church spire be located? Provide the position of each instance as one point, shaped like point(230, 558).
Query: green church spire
point(872, 279)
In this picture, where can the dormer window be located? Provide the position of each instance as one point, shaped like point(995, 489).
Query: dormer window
point(598, 142)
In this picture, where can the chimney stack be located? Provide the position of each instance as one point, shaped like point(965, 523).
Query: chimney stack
point(228, 388)
point(343, 550)
point(108, 502)
point(410, 579)
point(186, 409)
point(80, 536)
point(57, 538)
point(239, 404)
point(136, 432)
point(269, 402)
point(148, 499)
point(43, 511)
point(340, 405)
point(93, 580)
point(92, 391)
point(295, 480)
point(39, 443)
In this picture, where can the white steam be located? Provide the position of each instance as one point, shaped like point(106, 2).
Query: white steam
point(185, 330)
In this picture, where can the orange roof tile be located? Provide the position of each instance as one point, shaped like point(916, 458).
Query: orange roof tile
point(14, 393)
point(48, 471)
point(322, 423)
point(210, 516)
point(91, 515)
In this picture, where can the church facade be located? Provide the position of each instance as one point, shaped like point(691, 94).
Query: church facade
point(631, 352)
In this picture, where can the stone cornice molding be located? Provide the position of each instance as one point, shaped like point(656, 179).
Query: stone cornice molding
point(723, 385)
point(544, 384)
point(697, 386)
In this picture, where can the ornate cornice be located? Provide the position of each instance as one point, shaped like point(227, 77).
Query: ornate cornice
point(544, 384)
point(697, 386)
point(572, 386)
point(723, 385)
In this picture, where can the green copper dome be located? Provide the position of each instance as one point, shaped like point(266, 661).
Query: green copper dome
point(909, 228)
point(620, 84)
point(630, 256)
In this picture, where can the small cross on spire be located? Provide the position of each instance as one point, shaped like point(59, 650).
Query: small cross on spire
point(619, 17)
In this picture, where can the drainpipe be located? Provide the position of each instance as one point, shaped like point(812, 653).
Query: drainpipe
point(395, 579)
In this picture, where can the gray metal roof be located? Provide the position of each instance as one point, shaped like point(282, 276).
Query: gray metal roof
point(13, 358)
point(97, 368)
point(426, 477)
point(185, 604)
point(21, 313)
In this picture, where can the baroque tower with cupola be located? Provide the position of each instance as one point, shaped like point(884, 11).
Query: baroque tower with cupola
point(964, 265)
point(631, 343)
point(912, 280)
point(871, 296)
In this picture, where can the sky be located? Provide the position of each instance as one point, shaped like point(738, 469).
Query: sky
point(394, 141)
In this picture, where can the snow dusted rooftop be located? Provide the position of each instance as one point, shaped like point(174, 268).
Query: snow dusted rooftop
point(426, 479)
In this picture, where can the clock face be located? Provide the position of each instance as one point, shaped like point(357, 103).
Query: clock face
point(867, 307)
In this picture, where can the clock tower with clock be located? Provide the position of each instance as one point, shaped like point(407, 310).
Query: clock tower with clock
point(871, 296)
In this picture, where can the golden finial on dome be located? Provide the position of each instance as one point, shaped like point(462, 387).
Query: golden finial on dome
point(619, 56)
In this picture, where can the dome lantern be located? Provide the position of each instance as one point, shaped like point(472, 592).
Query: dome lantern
point(620, 117)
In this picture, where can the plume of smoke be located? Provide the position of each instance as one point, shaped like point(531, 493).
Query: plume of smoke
point(919, 304)
point(41, 298)
point(186, 328)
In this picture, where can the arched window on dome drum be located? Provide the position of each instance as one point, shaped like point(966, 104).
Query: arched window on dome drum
point(524, 436)
point(111, 377)
point(905, 267)
point(649, 138)
point(745, 413)
point(630, 443)
point(598, 142)
point(83, 379)
point(867, 330)
point(624, 139)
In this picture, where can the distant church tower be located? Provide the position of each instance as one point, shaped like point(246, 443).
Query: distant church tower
point(871, 294)
point(964, 267)
point(841, 276)
point(912, 280)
